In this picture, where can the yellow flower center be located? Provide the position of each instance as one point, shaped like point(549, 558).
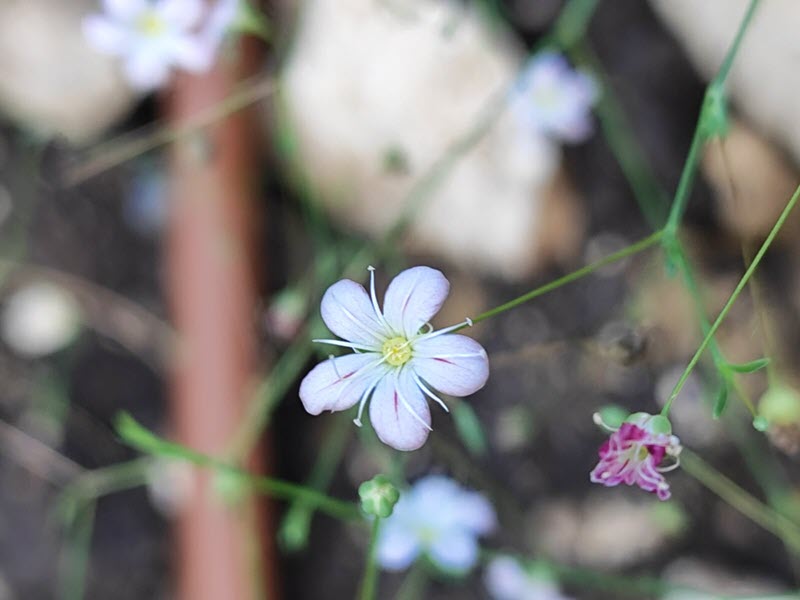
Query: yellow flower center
point(151, 24)
point(397, 351)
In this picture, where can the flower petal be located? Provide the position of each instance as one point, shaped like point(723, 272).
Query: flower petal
point(181, 14)
point(505, 579)
point(455, 550)
point(337, 384)
point(104, 35)
point(124, 10)
point(146, 70)
point(453, 364)
point(399, 412)
point(348, 313)
point(475, 513)
point(413, 297)
point(397, 546)
point(191, 53)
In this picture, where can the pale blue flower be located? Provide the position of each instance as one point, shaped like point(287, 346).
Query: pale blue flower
point(398, 361)
point(439, 519)
point(154, 36)
point(507, 580)
point(553, 99)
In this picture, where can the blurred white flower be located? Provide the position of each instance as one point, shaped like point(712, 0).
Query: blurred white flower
point(39, 319)
point(155, 36)
point(552, 98)
point(439, 519)
point(507, 580)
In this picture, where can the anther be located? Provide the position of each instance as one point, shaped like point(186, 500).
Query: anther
point(468, 321)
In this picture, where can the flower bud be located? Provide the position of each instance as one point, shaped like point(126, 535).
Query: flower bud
point(378, 496)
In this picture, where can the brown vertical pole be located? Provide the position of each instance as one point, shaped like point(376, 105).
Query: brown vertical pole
point(212, 293)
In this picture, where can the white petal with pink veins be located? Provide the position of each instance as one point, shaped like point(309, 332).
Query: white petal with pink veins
point(413, 297)
point(338, 383)
point(347, 311)
point(399, 412)
point(450, 363)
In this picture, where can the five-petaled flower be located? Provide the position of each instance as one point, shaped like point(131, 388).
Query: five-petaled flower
point(439, 519)
point(552, 98)
point(154, 36)
point(398, 359)
point(634, 452)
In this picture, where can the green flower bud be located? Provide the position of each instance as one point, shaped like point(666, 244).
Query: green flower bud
point(378, 496)
point(781, 405)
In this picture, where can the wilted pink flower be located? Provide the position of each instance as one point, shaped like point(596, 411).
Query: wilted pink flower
point(634, 452)
point(154, 36)
point(398, 361)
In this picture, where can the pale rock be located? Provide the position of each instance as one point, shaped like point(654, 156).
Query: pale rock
point(764, 81)
point(51, 81)
point(376, 92)
point(752, 182)
point(712, 580)
point(617, 533)
point(607, 531)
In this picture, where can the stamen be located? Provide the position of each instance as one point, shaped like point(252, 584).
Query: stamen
point(466, 355)
point(357, 376)
point(343, 344)
point(363, 401)
point(457, 326)
point(411, 410)
point(331, 358)
point(598, 420)
point(374, 298)
point(429, 393)
point(671, 467)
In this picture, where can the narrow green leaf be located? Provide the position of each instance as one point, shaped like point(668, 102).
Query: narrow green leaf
point(722, 400)
point(469, 428)
point(749, 367)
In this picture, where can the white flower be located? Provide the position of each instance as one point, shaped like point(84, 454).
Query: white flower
point(396, 362)
point(552, 98)
point(507, 580)
point(154, 36)
point(439, 519)
point(40, 319)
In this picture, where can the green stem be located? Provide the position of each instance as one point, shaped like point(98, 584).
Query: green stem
point(739, 499)
point(698, 139)
point(142, 439)
point(572, 23)
point(727, 62)
point(77, 554)
point(639, 246)
point(739, 287)
point(369, 583)
point(686, 180)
